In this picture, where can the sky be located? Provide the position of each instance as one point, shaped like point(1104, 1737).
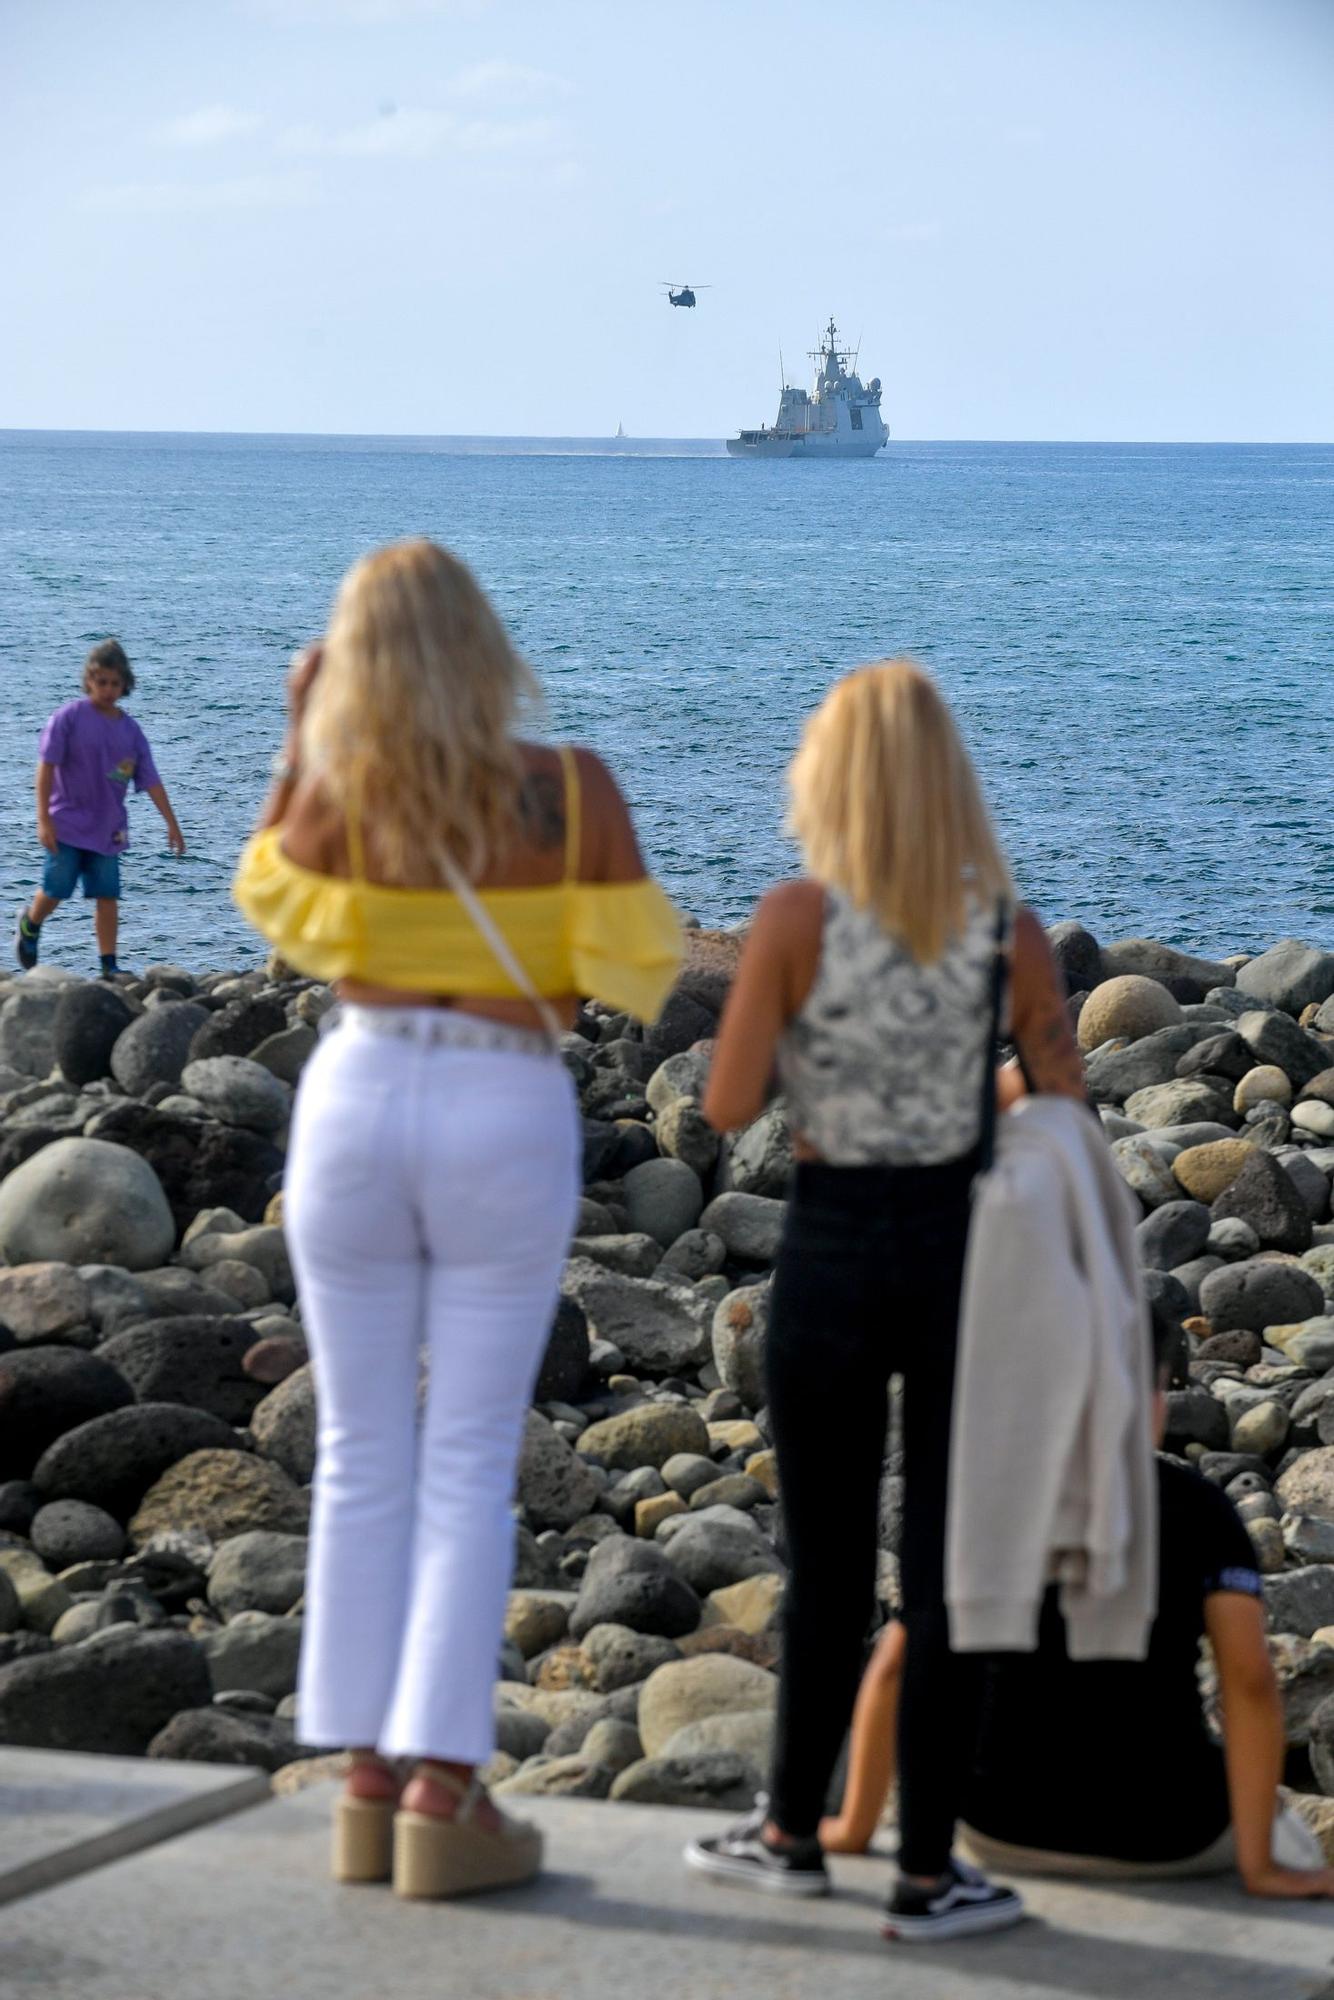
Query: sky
point(1047, 219)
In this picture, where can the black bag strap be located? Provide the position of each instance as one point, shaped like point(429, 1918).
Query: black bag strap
point(1000, 965)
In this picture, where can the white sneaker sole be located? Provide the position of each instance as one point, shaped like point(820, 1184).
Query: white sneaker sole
point(964, 1922)
point(748, 1875)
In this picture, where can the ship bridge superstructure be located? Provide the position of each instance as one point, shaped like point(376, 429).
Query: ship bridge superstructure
point(839, 417)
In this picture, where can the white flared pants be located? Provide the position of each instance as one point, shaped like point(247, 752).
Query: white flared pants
point(430, 1197)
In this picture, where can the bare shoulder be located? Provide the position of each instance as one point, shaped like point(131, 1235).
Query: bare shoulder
point(785, 938)
point(790, 909)
point(315, 830)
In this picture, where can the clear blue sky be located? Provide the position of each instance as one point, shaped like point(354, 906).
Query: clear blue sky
point(1048, 218)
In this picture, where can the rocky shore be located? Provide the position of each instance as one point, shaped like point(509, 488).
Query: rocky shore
point(157, 1407)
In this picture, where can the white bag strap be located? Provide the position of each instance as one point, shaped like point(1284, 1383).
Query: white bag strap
point(502, 949)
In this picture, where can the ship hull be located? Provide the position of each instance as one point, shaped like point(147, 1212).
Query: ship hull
point(805, 447)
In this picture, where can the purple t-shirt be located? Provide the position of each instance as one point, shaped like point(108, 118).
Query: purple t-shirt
point(97, 758)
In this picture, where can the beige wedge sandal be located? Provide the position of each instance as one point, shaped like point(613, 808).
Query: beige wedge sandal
point(363, 1838)
point(437, 1857)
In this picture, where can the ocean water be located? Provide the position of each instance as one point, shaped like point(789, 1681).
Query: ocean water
point(1138, 641)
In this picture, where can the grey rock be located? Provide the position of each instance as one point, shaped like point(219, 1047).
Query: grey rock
point(683, 1133)
point(156, 1047)
point(613, 1744)
point(283, 1425)
point(519, 1733)
point(1145, 1171)
point(1301, 1600)
point(632, 1583)
point(750, 1225)
point(254, 1650)
point(239, 1092)
point(1290, 975)
point(1192, 1274)
point(661, 1328)
point(686, 1471)
point(85, 1201)
point(1257, 1293)
point(574, 1777)
point(27, 1028)
point(555, 1487)
point(285, 1055)
point(1153, 960)
point(189, 1360)
point(682, 1076)
point(1311, 1184)
point(711, 1779)
point(111, 1460)
point(1114, 1073)
point(1263, 1195)
point(262, 1245)
point(1276, 1038)
point(718, 1546)
point(260, 1571)
point(740, 1331)
point(1077, 954)
point(1193, 1417)
point(115, 1296)
point(698, 1254)
point(1232, 1239)
point(47, 1390)
point(634, 1256)
point(1222, 1055)
point(1307, 1487)
point(758, 1160)
point(111, 1694)
point(1308, 1540)
point(663, 1199)
point(38, 1302)
point(176, 1294)
point(1183, 1101)
point(620, 1657)
point(65, 1532)
point(1175, 1232)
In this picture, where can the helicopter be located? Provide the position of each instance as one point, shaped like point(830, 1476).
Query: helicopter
point(683, 295)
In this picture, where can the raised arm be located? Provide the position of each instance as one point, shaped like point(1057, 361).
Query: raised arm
point(1041, 1024)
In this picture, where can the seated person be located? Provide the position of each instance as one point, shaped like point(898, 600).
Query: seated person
point(1106, 1767)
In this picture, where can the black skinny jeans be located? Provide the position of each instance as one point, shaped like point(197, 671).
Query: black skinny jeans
point(867, 1285)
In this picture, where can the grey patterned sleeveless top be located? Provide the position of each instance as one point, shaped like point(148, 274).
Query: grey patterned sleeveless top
point(884, 1063)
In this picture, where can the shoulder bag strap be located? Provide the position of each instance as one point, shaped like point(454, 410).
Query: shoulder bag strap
point(502, 949)
point(1000, 965)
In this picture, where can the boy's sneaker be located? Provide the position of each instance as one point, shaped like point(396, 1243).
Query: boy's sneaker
point(26, 937)
point(741, 1855)
point(960, 1904)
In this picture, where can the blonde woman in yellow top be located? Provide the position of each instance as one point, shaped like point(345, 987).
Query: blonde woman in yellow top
point(463, 887)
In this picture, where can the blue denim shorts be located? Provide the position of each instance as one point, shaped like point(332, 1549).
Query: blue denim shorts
point(99, 873)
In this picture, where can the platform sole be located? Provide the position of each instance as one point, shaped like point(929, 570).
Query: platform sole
point(363, 1839)
point(437, 1858)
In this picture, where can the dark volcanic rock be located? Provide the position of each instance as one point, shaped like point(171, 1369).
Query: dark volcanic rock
point(1078, 954)
point(1266, 1197)
point(45, 1391)
point(1257, 1293)
point(19, 1501)
point(239, 1027)
point(564, 1367)
point(112, 1460)
point(66, 1532)
point(189, 1360)
point(113, 1693)
point(632, 1583)
point(90, 1019)
point(222, 1736)
point(200, 1165)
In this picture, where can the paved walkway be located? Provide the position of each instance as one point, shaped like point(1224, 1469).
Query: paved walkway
point(242, 1909)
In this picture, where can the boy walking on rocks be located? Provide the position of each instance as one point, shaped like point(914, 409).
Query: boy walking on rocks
point(90, 753)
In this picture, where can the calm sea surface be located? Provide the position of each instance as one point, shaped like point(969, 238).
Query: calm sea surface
point(1138, 641)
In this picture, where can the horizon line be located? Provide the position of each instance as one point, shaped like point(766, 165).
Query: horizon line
point(609, 437)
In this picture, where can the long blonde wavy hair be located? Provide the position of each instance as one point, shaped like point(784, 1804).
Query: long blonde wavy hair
point(411, 716)
point(886, 806)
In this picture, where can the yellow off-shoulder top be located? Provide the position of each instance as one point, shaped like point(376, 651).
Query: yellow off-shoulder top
point(619, 942)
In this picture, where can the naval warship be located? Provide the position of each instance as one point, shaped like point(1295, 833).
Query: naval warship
point(840, 418)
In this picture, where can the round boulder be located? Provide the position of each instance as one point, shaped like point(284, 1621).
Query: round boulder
point(688, 1691)
point(283, 1425)
point(236, 1091)
point(156, 1047)
point(189, 1360)
point(220, 1494)
point(40, 1301)
point(85, 1201)
point(740, 1329)
point(650, 1434)
point(112, 1694)
point(65, 1532)
point(1125, 1009)
point(632, 1583)
point(112, 1460)
point(45, 1391)
point(663, 1199)
point(1205, 1171)
point(1257, 1293)
point(91, 1016)
point(1265, 1084)
point(261, 1571)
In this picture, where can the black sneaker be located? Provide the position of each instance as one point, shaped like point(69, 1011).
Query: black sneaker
point(960, 1904)
point(742, 1856)
point(26, 935)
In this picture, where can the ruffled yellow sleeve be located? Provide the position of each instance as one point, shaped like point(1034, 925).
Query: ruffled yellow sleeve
point(626, 945)
point(313, 920)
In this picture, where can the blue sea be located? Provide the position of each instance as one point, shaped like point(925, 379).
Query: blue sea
point(1138, 641)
